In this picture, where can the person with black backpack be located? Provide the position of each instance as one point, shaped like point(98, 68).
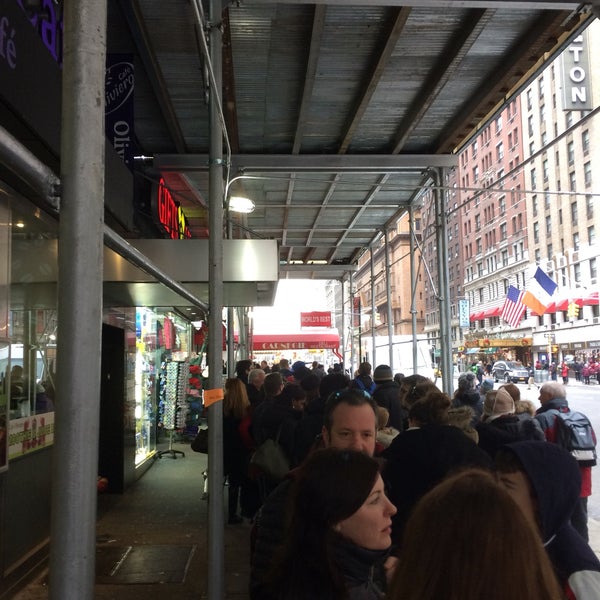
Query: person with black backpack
point(573, 431)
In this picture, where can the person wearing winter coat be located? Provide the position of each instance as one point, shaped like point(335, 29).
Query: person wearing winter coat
point(236, 448)
point(553, 400)
point(467, 395)
point(500, 425)
point(338, 540)
point(387, 394)
point(425, 454)
point(545, 480)
point(363, 380)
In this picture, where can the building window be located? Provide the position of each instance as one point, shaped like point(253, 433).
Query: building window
point(572, 182)
point(593, 271)
point(503, 231)
point(569, 118)
point(474, 148)
point(549, 252)
point(475, 174)
point(534, 205)
point(591, 235)
point(548, 225)
point(500, 152)
point(529, 99)
point(547, 200)
point(530, 127)
point(589, 206)
point(585, 141)
point(533, 179)
point(504, 258)
point(546, 170)
point(536, 232)
point(574, 214)
point(501, 205)
point(587, 173)
point(576, 241)
point(571, 152)
point(498, 124)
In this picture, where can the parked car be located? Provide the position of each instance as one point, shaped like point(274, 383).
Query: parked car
point(510, 371)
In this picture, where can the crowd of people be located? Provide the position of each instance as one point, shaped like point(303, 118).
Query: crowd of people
point(397, 490)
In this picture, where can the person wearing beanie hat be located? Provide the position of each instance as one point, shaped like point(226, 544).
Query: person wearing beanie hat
point(382, 373)
point(487, 385)
point(500, 425)
point(387, 395)
point(467, 395)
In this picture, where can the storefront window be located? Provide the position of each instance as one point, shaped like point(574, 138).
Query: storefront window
point(161, 377)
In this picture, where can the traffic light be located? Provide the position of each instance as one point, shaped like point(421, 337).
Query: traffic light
point(573, 310)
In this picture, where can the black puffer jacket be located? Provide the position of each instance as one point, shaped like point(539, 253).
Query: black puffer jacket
point(472, 399)
point(507, 429)
point(387, 394)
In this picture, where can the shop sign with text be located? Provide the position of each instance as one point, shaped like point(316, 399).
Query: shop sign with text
point(315, 319)
point(168, 213)
point(28, 434)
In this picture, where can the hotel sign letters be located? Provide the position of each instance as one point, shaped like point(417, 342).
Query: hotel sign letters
point(576, 75)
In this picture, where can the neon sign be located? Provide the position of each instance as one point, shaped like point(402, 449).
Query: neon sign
point(170, 214)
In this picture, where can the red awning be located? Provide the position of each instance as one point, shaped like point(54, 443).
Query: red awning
point(295, 341)
point(477, 316)
point(590, 300)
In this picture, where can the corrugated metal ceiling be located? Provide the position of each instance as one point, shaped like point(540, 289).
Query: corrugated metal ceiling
point(328, 97)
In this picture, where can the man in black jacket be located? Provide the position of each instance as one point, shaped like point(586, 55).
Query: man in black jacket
point(387, 394)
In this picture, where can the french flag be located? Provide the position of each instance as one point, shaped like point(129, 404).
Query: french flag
point(539, 292)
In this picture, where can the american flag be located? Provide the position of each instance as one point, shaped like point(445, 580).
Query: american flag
point(513, 307)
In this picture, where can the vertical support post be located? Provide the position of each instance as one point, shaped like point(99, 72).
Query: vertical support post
point(413, 286)
point(373, 358)
point(443, 278)
point(388, 297)
point(343, 321)
point(230, 318)
point(352, 321)
point(216, 552)
point(80, 267)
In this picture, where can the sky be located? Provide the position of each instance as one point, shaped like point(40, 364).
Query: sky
point(293, 297)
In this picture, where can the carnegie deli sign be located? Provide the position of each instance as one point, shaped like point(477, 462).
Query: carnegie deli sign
point(498, 343)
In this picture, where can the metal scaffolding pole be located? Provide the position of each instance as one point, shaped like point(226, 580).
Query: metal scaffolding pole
point(413, 287)
point(352, 321)
point(343, 321)
point(388, 297)
point(373, 308)
point(80, 263)
point(216, 552)
point(443, 279)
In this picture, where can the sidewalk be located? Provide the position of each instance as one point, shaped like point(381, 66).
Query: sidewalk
point(152, 540)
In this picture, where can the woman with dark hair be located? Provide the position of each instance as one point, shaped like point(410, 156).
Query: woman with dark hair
point(468, 539)
point(339, 535)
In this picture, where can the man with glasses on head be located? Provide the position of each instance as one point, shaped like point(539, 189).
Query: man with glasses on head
point(350, 423)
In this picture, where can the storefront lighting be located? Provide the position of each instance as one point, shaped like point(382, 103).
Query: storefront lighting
point(240, 204)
